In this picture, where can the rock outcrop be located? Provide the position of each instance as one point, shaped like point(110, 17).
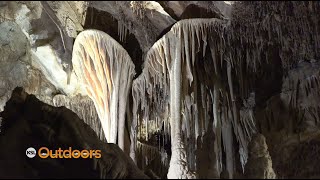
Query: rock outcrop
point(28, 122)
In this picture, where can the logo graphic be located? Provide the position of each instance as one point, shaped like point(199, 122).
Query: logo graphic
point(45, 152)
point(31, 152)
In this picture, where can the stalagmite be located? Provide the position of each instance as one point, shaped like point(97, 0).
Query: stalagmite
point(106, 71)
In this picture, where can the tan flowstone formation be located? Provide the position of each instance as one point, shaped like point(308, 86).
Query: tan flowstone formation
point(106, 71)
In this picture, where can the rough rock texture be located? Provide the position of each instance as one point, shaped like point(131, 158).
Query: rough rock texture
point(259, 165)
point(44, 43)
point(28, 122)
point(197, 9)
point(295, 155)
point(16, 66)
point(145, 19)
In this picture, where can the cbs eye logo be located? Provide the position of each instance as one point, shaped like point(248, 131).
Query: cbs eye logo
point(31, 152)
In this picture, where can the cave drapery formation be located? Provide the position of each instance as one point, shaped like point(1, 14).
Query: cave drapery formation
point(208, 84)
point(106, 70)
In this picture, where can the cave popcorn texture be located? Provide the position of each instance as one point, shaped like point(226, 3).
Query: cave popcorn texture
point(106, 71)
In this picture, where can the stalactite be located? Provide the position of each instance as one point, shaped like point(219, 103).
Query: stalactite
point(158, 88)
point(122, 31)
point(162, 52)
point(217, 128)
point(274, 21)
point(138, 7)
point(162, 55)
point(106, 70)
